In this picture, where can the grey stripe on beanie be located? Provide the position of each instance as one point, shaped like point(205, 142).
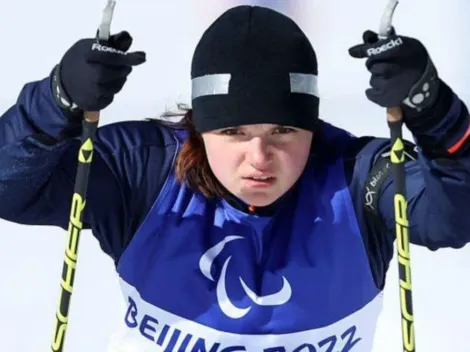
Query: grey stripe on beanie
point(219, 84)
point(304, 83)
point(215, 84)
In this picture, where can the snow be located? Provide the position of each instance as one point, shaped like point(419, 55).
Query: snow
point(36, 34)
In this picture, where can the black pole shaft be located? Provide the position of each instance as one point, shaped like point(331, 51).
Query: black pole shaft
point(402, 235)
point(85, 156)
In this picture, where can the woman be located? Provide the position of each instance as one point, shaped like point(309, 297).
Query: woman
point(252, 225)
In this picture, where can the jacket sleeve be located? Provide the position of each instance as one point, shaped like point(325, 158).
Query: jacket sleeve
point(437, 170)
point(38, 162)
point(438, 183)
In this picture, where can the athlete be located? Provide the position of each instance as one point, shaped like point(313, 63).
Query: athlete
point(252, 224)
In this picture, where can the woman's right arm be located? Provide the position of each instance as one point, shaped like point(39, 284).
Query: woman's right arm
point(39, 143)
point(36, 167)
point(38, 161)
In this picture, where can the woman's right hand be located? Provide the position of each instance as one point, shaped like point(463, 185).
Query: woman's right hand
point(91, 72)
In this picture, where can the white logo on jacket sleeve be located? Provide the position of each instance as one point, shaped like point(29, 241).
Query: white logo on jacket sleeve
point(225, 304)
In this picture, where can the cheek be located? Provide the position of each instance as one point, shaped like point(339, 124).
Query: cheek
point(222, 166)
point(295, 155)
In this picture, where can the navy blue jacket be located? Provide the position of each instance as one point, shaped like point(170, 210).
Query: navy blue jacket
point(38, 159)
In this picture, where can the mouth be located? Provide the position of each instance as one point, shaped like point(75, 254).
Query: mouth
point(260, 181)
point(259, 178)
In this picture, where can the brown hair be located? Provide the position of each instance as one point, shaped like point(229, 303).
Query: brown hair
point(192, 166)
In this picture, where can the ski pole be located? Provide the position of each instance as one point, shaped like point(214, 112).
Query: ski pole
point(397, 155)
point(85, 155)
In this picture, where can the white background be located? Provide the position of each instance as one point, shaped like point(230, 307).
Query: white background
point(35, 34)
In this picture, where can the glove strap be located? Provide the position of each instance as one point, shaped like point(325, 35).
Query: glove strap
point(61, 98)
point(425, 92)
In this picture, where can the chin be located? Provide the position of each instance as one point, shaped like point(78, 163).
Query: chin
point(260, 199)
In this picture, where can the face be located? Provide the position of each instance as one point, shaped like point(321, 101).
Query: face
point(258, 163)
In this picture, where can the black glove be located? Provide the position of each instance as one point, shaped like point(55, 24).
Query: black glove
point(402, 72)
point(92, 72)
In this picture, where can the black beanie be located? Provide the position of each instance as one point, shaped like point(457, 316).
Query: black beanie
point(254, 65)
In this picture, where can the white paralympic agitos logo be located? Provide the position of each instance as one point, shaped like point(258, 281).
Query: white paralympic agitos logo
point(226, 305)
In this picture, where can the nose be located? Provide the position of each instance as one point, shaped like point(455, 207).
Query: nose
point(259, 154)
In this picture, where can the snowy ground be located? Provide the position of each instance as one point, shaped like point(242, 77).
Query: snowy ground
point(36, 34)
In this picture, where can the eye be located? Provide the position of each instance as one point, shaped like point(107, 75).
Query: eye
point(283, 130)
point(230, 132)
